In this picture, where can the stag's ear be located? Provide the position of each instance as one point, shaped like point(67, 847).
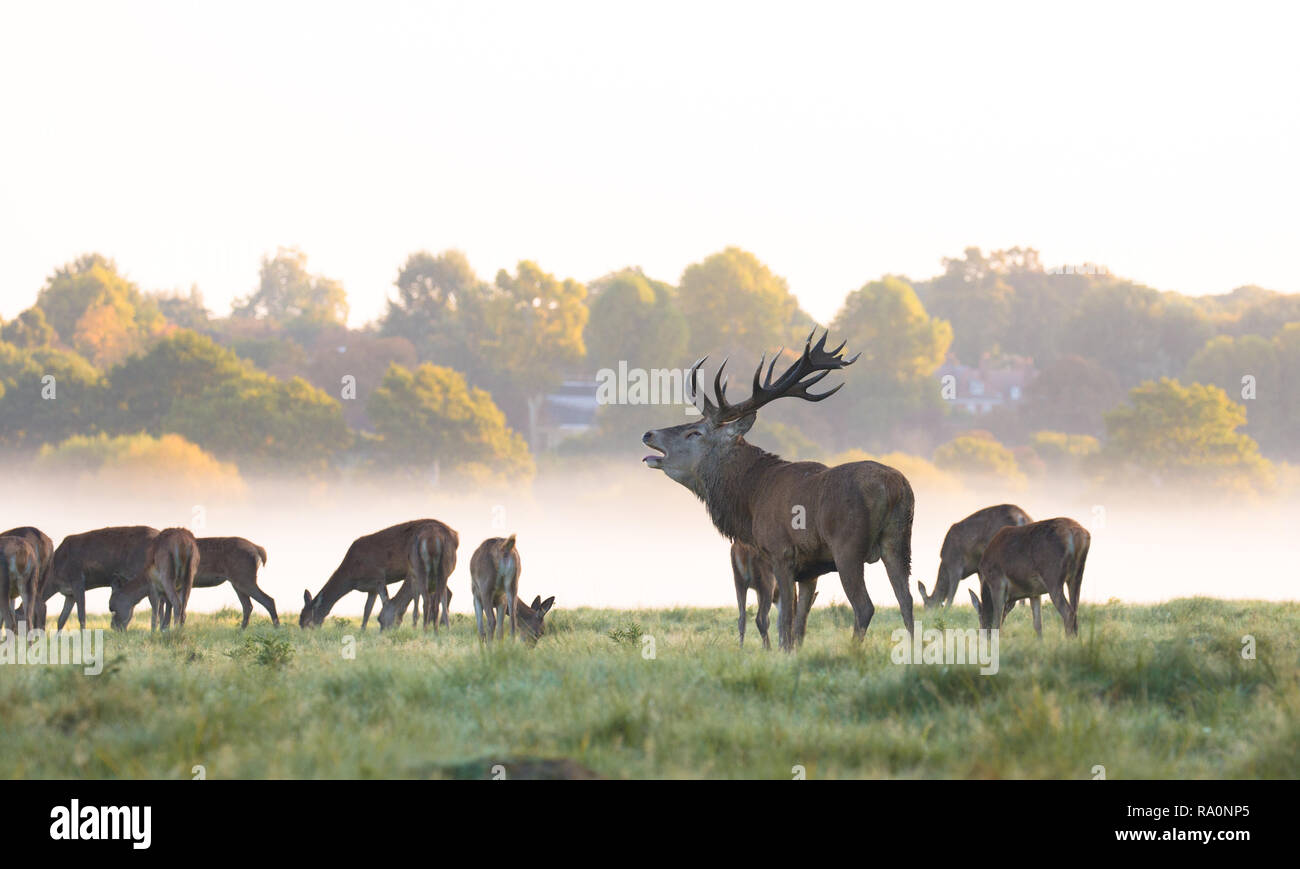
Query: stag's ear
point(738, 427)
point(546, 605)
point(975, 601)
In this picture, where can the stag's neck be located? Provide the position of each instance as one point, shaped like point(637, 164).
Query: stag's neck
point(728, 489)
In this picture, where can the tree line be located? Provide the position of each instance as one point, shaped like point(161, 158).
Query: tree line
point(450, 379)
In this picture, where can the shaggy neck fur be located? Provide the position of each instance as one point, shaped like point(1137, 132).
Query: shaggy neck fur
point(726, 487)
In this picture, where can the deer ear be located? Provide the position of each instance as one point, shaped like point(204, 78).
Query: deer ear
point(306, 597)
point(975, 601)
point(921, 586)
point(738, 427)
point(546, 605)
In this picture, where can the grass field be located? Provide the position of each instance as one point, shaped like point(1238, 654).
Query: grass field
point(1146, 692)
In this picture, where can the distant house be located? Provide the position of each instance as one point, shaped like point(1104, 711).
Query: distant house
point(568, 410)
point(995, 382)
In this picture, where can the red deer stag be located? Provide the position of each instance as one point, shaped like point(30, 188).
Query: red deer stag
point(804, 518)
point(20, 569)
point(171, 561)
point(420, 553)
point(44, 548)
point(94, 559)
point(963, 547)
point(494, 576)
point(1028, 561)
point(221, 559)
point(750, 571)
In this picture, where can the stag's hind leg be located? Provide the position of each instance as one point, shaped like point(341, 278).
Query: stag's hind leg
point(785, 609)
point(803, 605)
point(899, 567)
point(852, 577)
point(1036, 603)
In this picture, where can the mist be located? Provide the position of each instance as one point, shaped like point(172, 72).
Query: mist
point(612, 533)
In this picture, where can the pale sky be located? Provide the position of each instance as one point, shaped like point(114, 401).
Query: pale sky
point(838, 142)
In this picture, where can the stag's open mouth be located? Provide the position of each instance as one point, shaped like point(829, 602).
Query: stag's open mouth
point(652, 460)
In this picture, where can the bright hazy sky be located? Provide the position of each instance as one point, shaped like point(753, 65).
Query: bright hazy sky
point(836, 142)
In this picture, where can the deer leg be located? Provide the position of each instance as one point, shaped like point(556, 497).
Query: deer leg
point(785, 606)
point(81, 607)
point(764, 594)
point(852, 577)
point(153, 607)
point(267, 603)
point(478, 618)
point(742, 593)
point(803, 604)
point(1063, 607)
point(246, 605)
point(1036, 603)
point(499, 620)
point(899, 577)
point(68, 602)
point(370, 602)
point(492, 622)
point(446, 610)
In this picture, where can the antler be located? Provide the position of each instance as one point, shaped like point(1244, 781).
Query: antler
point(794, 382)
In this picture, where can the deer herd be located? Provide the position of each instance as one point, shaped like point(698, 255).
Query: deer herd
point(789, 523)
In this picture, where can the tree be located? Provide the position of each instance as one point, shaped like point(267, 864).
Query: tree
point(287, 294)
point(1169, 433)
point(438, 307)
point(185, 310)
point(634, 319)
point(901, 347)
point(263, 424)
point(974, 296)
point(431, 416)
point(46, 395)
point(736, 306)
point(142, 465)
point(1135, 332)
point(145, 387)
point(29, 330)
point(1070, 394)
point(1252, 368)
point(97, 311)
point(977, 454)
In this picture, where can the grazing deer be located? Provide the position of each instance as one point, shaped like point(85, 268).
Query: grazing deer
point(221, 559)
point(804, 518)
point(20, 569)
point(963, 547)
point(44, 548)
point(171, 561)
point(433, 557)
point(1028, 561)
point(93, 559)
point(420, 553)
point(531, 618)
point(494, 577)
point(444, 619)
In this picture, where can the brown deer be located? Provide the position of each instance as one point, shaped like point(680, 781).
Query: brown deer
point(750, 571)
point(420, 553)
point(494, 576)
point(531, 617)
point(433, 555)
point(963, 547)
point(93, 559)
point(44, 548)
point(20, 569)
point(804, 518)
point(444, 619)
point(171, 562)
point(221, 559)
point(1028, 561)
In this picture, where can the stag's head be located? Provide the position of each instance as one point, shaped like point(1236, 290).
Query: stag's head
point(686, 450)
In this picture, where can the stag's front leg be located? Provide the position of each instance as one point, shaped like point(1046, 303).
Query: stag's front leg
point(1036, 604)
point(764, 593)
point(742, 593)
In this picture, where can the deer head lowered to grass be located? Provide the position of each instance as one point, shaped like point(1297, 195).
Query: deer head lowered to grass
point(963, 547)
point(804, 518)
